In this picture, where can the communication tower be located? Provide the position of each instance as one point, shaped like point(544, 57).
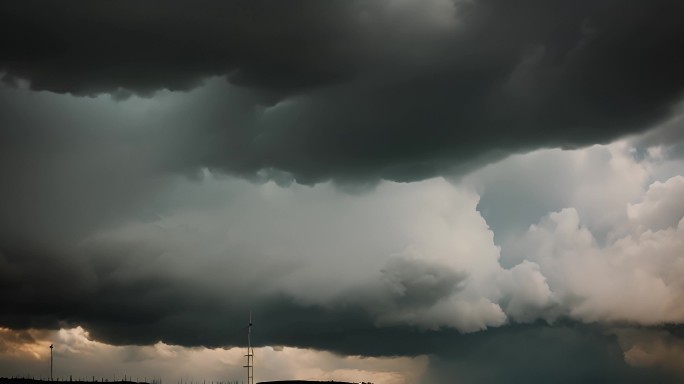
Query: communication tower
point(250, 353)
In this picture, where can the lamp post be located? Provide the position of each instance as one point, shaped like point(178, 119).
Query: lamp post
point(51, 362)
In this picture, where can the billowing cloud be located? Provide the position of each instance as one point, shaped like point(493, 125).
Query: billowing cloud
point(634, 279)
point(662, 207)
point(417, 255)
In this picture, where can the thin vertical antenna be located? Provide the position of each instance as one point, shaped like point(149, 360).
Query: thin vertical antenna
point(51, 362)
point(250, 353)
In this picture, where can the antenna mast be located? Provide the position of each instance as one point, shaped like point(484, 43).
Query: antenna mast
point(250, 353)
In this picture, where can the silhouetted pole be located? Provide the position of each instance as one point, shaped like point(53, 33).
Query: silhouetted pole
point(50, 362)
point(250, 353)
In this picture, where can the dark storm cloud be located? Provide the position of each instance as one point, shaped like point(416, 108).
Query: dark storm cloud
point(351, 91)
point(89, 47)
point(127, 295)
point(368, 89)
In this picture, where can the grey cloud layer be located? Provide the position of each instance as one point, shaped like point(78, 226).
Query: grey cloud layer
point(366, 90)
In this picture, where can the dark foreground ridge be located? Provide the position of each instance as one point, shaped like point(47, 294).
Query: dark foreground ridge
point(12, 380)
point(304, 382)
point(6, 380)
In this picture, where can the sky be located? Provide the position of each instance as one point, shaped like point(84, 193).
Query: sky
point(400, 191)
